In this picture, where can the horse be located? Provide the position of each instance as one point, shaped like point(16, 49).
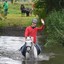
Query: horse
point(29, 49)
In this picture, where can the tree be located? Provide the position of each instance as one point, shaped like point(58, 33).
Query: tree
point(12, 1)
point(54, 31)
point(55, 28)
point(47, 6)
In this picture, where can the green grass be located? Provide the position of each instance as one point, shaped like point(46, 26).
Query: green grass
point(15, 8)
point(15, 18)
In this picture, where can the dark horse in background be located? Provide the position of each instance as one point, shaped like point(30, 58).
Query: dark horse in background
point(28, 11)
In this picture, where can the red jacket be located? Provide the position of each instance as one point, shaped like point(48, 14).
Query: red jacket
point(32, 32)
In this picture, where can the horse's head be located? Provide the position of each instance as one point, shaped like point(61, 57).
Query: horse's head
point(29, 42)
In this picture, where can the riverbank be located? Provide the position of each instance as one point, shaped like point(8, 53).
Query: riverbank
point(12, 31)
point(16, 20)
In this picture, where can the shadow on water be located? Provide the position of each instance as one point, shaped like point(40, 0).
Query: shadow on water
point(12, 38)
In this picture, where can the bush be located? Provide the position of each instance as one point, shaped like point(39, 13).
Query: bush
point(55, 28)
point(40, 9)
point(44, 7)
point(1, 12)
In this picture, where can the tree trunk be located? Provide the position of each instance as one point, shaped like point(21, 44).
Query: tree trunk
point(12, 1)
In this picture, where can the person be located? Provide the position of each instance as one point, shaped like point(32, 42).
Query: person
point(32, 32)
point(5, 5)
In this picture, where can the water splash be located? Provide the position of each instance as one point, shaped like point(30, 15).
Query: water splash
point(10, 54)
point(6, 60)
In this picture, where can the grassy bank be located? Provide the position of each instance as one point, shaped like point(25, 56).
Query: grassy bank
point(15, 18)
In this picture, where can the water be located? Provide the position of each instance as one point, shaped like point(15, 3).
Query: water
point(10, 54)
point(6, 60)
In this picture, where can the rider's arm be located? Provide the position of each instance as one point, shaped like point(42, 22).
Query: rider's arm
point(41, 28)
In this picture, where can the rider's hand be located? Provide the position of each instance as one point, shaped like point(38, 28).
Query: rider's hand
point(42, 21)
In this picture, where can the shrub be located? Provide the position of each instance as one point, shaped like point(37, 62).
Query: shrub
point(1, 12)
point(55, 28)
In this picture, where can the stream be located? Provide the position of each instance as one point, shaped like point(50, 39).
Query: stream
point(10, 54)
point(11, 39)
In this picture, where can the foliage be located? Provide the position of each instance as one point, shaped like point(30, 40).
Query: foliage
point(55, 28)
point(43, 7)
point(40, 9)
point(53, 33)
point(54, 4)
point(1, 12)
point(12, 1)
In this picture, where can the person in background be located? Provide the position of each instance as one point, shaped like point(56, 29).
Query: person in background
point(5, 5)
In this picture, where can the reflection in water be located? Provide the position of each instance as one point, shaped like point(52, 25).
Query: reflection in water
point(10, 54)
point(40, 58)
point(29, 62)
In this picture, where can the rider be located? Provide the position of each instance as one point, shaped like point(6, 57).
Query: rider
point(32, 31)
point(5, 5)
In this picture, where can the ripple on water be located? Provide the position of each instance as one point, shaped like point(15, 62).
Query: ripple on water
point(6, 60)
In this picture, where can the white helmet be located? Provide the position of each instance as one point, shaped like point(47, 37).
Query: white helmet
point(34, 20)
